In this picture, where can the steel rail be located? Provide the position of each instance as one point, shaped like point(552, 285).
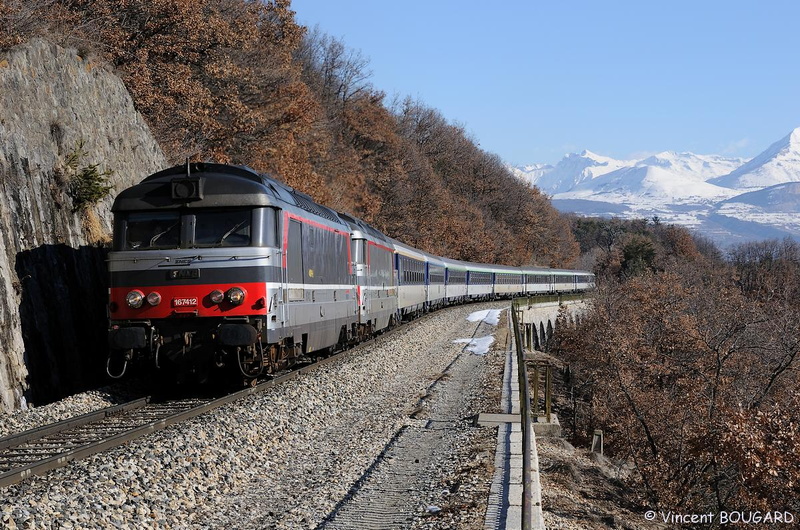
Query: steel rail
point(82, 449)
point(54, 458)
point(70, 423)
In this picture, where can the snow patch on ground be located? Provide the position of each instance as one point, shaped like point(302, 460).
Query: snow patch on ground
point(478, 346)
point(490, 316)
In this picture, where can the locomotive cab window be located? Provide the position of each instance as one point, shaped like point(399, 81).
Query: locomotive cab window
point(222, 228)
point(161, 230)
point(152, 230)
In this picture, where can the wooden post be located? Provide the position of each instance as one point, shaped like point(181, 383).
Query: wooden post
point(548, 384)
point(535, 411)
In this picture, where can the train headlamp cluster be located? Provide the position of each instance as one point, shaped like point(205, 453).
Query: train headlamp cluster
point(235, 296)
point(136, 299)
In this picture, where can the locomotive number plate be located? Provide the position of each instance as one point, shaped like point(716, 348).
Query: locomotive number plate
point(184, 302)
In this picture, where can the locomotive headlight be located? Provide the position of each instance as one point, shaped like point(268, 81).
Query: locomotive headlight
point(154, 298)
point(135, 299)
point(236, 295)
point(217, 296)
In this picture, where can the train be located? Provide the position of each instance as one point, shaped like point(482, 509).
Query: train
point(217, 268)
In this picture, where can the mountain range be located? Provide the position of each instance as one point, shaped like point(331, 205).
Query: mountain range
point(729, 200)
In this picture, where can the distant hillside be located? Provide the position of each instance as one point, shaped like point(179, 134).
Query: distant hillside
point(242, 82)
point(781, 198)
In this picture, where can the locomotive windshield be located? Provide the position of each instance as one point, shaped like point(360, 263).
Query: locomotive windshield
point(152, 230)
point(228, 228)
point(201, 228)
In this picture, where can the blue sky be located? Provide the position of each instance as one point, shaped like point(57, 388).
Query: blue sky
point(533, 80)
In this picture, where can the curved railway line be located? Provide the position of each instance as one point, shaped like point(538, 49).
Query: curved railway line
point(318, 444)
point(37, 451)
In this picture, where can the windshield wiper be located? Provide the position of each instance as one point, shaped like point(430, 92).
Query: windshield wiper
point(229, 232)
point(155, 237)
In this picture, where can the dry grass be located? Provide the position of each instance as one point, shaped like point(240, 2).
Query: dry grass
point(95, 233)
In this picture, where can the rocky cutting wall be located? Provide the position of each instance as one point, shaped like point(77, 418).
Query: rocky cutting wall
point(52, 269)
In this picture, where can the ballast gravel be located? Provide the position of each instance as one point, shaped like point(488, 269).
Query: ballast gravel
point(70, 407)
point(283, 458)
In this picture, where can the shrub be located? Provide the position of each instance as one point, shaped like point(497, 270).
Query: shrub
point(87, 185)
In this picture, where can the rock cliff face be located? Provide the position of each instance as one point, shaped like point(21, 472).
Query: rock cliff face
point(52, 273)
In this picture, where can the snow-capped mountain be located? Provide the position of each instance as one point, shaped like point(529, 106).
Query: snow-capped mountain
point(702, 167)
point(710, 193)
point(778, 164)
point(648, 185)
point(571, 171)
point(532, 172)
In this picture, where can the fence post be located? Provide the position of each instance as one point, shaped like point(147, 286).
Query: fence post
point(528, 336)
point(535, 403)
point(531, 331)
point(548, 386)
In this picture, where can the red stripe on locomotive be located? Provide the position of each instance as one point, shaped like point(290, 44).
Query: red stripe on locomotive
point(255, 301)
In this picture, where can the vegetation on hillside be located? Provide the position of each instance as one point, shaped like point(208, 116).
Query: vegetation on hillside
point(688, 362)
point(240, 81)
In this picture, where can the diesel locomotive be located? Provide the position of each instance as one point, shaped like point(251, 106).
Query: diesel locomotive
point(217, 268)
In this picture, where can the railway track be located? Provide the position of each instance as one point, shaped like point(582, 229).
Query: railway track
point(287, 457)
point(37, 451)
point(40, 450)
point(389, 494)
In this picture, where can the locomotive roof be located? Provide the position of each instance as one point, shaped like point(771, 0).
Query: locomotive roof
point(214, 186)
point(365, 228)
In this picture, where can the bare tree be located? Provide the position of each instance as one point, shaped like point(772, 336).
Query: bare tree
point(339, 73)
